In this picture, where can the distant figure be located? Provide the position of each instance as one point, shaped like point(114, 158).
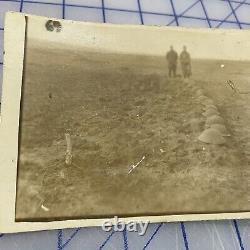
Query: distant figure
point(172, 58)
point(185, 61)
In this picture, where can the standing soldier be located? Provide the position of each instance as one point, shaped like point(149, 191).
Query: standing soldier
point(185, 61)
point(172, 57)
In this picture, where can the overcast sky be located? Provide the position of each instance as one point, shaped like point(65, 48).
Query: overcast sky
point(202, 43)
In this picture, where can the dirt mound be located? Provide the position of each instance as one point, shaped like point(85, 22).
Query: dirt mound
point(211, 106)
point(210, 112)
point(212, 136)
point(208, 102)
point(215, 119)
point(221, 128)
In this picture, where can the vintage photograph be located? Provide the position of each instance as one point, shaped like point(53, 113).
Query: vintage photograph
point(144, 122)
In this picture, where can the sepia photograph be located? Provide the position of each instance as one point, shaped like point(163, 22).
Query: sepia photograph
point(130, 121)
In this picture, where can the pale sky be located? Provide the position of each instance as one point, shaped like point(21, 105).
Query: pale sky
point(202, 43)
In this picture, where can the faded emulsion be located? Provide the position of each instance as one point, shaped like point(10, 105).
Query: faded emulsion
point(106, 134)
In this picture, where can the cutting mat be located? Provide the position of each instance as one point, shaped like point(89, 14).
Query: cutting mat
point(213, 235)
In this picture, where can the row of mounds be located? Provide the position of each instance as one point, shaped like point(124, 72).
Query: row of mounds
point(215, 131)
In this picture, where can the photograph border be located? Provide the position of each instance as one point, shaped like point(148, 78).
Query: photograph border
point(14, 47)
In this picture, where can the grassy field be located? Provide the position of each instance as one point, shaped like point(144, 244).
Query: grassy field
point(120, 109)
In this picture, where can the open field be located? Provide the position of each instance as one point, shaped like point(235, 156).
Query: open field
point(120, 109)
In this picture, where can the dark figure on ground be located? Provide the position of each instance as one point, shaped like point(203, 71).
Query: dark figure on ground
point(185, 61)
point(172, 58)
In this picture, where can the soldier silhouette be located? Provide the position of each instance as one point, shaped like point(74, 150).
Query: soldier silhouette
point(172, 58)
point(185, 61)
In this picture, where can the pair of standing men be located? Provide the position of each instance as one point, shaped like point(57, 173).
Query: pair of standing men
point(185, 60)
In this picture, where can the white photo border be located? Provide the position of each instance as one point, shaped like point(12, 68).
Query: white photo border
point(14, 45)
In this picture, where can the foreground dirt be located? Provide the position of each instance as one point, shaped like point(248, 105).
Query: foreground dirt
point(121, 110)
